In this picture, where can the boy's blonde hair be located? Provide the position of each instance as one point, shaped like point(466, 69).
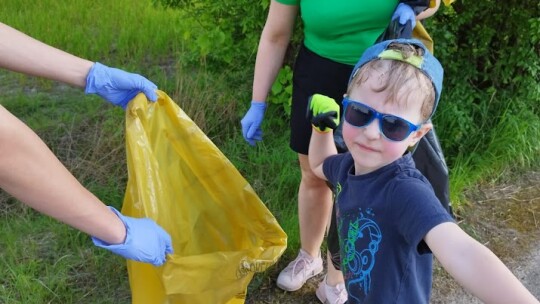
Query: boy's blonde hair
point(400, 79)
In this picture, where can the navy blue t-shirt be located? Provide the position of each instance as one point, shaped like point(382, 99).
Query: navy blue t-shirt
point(382, 218)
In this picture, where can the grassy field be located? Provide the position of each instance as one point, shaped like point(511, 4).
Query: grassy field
point(42, 261)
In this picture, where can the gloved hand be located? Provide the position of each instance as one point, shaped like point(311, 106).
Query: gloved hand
point(118, 86)
point(404, 13)
point(145, 241)
point(323, 112)
point(251, 123)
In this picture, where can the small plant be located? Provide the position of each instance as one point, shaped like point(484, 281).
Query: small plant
point(281, 93)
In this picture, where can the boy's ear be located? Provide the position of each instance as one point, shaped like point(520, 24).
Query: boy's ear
point(418, 134)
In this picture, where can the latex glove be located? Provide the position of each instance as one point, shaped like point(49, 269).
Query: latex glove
point(118, 86)
point(251, 123)
point(323, 112)
point(145, 241)
point(404, 13)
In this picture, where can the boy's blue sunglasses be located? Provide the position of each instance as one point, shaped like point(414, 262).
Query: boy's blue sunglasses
point(392, 127)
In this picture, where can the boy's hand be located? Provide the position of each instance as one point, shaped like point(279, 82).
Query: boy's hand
point(323, 112)
point(145, 241)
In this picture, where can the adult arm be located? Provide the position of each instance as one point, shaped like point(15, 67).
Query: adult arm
point(272, 47)
point(475, 267)
point(30, 172)
point(273, 44)
point(22, 53)
point(429, 12)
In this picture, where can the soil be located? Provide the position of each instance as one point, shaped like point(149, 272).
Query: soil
point(505, 217)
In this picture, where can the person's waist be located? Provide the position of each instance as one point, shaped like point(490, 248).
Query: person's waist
point(345, 49)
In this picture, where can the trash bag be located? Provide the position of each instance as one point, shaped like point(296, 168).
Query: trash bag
point(221, 231)
point(396, 30)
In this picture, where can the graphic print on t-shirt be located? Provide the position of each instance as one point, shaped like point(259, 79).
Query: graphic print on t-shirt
point(358, 249)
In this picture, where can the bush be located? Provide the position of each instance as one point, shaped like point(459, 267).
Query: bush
point(225, 33)
point(489, 50)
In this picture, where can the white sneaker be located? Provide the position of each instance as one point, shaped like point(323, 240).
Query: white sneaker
point(331, 294)
point(299, 271)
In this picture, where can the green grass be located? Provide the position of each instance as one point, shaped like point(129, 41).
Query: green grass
point(43, 261)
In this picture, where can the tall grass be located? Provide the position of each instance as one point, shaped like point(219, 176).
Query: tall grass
point(44, 261)
point(502, 141)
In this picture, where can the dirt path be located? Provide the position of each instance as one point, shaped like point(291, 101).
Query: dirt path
point(527, 269)
point(504, 217)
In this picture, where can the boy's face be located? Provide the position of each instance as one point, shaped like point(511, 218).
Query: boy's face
point(369, 148)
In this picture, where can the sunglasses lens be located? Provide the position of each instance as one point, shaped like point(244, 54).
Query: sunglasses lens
point(358, 115)
point(395, 128)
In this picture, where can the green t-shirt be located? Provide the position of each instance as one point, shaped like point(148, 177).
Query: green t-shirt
point(341, 30)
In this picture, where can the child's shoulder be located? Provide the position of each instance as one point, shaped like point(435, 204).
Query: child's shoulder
point(410, 185)
point(406, 174)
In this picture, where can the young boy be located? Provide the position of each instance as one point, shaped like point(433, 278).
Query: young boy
point(389, 219)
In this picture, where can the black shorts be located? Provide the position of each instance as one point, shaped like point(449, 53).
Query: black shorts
point(313, 74)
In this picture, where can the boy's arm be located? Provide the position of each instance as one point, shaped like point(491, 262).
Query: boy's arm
point(324, 114)
point(475, 267)
point(321, 146)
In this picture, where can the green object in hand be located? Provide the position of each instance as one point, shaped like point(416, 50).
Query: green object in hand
point(323, 112)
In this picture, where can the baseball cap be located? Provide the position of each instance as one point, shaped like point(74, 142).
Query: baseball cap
point(427, 63)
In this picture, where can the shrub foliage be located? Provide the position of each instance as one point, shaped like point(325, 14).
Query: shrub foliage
point(490, 51)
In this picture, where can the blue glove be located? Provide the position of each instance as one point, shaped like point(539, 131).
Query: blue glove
point(145, 241)
point(251, 123)
point(117, 86)
point(404, 13)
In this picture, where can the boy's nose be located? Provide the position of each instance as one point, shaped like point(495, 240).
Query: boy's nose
point(372, 131)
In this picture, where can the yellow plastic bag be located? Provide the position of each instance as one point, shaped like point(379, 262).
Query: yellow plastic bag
point(420, 33)
point(222, 233)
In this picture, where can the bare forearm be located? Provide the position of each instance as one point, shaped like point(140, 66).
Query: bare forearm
point(273, 44)
point(429, 12)
point(321, 146)
point(24, 54)
point(490, 280)
point(476, 268)
point(30, 172)
point(269, 60)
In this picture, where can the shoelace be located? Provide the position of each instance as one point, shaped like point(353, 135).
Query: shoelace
point(305, 263)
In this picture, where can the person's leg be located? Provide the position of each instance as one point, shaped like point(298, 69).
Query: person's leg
point(333, 275)
point(315, 215)
point(312, 74)
point(314, 203)
point(314, 208)
point(332, 288)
